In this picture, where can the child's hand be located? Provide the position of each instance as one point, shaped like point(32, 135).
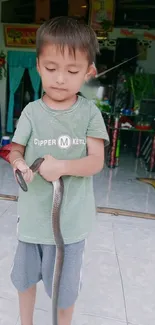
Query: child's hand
point(50, 169)
point(26, 171)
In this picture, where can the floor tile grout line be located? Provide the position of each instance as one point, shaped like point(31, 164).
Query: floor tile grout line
point(136, 258)
point(17, 320)
point(134, 323)
point(128, 223)
point(11, 203)
point(105, 317)
point(1, 215)
point(121, 278)
point(120, 255)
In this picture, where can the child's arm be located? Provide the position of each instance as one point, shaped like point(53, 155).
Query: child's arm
point(52, 169)
point(17, 152)
point(19, 142)
point(89, 165)
point(17, 161)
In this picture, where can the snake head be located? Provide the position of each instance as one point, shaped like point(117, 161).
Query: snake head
point(34, 167)
point(21, 180)
point(36, 164)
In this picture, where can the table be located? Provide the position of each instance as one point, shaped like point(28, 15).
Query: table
point(115, 133)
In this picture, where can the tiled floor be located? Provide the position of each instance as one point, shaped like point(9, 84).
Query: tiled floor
point(119, 268)
point(118, 188)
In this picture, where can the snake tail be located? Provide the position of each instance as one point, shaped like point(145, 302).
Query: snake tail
point(57, 201)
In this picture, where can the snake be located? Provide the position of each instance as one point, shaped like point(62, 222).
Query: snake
point(58, 187)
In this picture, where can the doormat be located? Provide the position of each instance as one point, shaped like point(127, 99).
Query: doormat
point(125, 213)
point(105, 210)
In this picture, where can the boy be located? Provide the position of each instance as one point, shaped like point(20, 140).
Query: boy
point(69, 132)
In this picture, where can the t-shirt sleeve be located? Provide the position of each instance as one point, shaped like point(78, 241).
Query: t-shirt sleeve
point(24, 127)
point(96, 127)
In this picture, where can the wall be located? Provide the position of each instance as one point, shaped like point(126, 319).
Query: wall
point(148, 64)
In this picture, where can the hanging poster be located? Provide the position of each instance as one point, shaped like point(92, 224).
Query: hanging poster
point(20, 35)
point(102, 14)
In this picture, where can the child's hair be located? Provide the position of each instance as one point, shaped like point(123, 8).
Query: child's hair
point(66, 31)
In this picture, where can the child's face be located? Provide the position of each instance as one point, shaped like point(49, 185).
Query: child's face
point(62, 74)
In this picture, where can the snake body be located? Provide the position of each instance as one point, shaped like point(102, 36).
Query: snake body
point(55, 216)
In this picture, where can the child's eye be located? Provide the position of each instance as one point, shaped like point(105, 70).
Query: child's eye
point(73, 72)
point(51, 70)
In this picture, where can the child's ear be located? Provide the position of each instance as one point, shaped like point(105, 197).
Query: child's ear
point(92, 72)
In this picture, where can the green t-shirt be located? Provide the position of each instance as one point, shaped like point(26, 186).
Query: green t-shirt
point(62, 134)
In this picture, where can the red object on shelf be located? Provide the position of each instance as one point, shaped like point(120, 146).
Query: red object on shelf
point(125, 119)
point(143, 127)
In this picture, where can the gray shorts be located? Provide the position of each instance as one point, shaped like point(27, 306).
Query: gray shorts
point(35, 262)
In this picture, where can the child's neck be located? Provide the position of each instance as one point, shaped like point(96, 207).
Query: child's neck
point(59, 105)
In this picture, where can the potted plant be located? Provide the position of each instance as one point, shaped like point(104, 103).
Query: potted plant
point(141, 86)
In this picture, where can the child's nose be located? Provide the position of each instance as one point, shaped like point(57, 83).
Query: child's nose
point(60, 79)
